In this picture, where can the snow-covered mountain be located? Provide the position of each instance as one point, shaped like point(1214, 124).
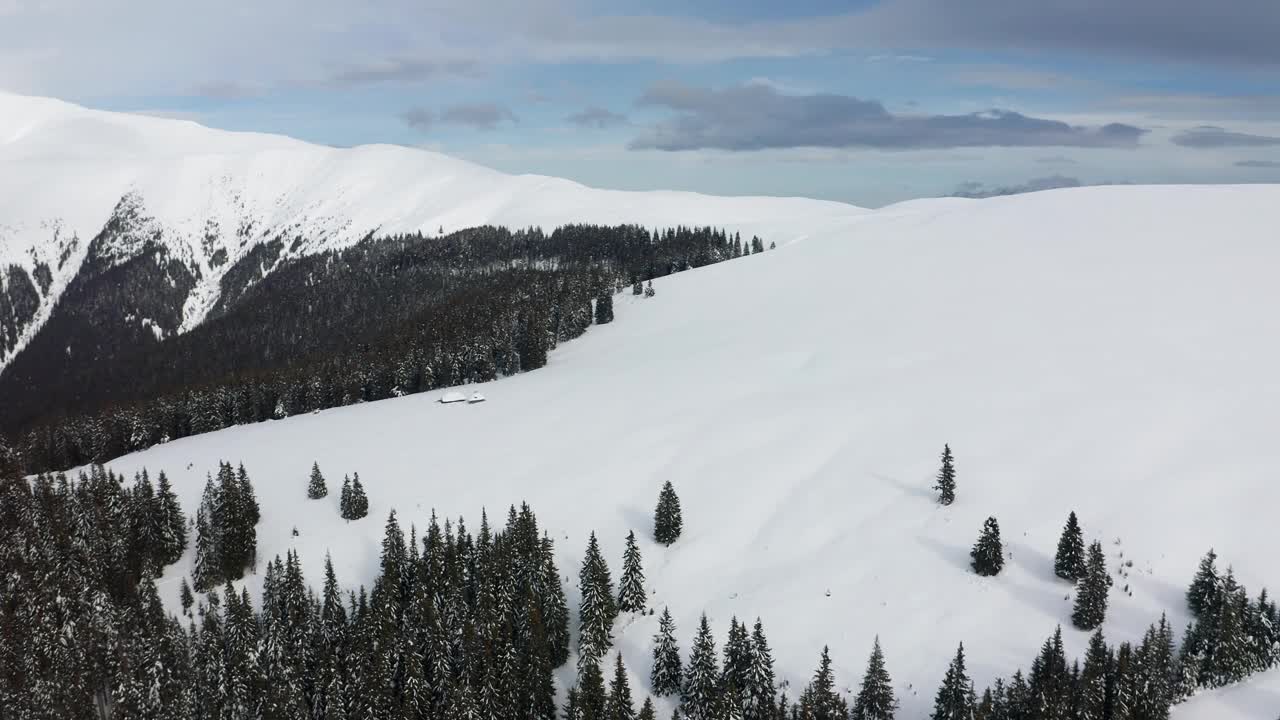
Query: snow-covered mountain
point(1110, 351)
point(205, 199)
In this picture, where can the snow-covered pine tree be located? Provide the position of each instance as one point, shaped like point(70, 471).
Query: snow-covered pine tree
point(592, 698)
point(667, 671)
point(701, 677)
point(597, 609)
point(1204, 585)
point(988, 553)
point(737, 656)
point(648, 290)
point(631, 593)
point(637, 288)
point(820, 700)
point(316, 488)
point(955, 699)
point(668, 521)
point(344, 500)
point(186, 598)
point(647, 711)
point(761, 689)
point(875, 700)
point(1092, 691)
point(619, 705)
point(359, 501)
point(946, 482)
point(1091, 592)
point(173, 524)
point(604, 309)
point(1069, 561)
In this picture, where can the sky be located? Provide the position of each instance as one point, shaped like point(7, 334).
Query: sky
point(862, 101)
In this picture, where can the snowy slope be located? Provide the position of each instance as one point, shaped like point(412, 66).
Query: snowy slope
point(211, 196)
point(1110, 351)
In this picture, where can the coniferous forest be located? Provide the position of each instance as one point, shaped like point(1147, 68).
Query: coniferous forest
point(463, 623)
point(390, 316)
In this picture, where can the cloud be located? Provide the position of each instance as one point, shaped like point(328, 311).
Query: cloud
point(402, 70)
point(228, 90)
point(974, 189)
point(1257, 164)
point(1210, 136)
point(480, 116)
point(1056, 160)
point(597, 117)
point(757, 117)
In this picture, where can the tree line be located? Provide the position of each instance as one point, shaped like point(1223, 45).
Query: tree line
point(459, 624)
point(387, 317)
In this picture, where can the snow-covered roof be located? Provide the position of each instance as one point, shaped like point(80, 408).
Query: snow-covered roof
point(452, 396)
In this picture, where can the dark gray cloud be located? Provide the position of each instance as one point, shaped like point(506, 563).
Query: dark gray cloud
point(481, 116)
point(403, 71)
point(597, 117)
point(1210, 136)
point(1258, 164)
point(1227, 31)
point(975, 189)
point(758, 117)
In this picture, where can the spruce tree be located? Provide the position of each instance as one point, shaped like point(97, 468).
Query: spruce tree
point(820, 700)
point(646, 710)
point(344, 500)
point(648, 290)
point(604, 309)
point(988, 553)
point(637, 288)
point(955, 699)
point(592, 698)
point(1091, 592)
point(1069, 562)
point(1092, 692)
point(667, 671)
point(1205, 584)
point(875, 699)
point(186, 598)
point(631, 593)
point(316, 489)
point(701, 677)
point(598, 609)
point(173, 525)
point(667, 519)
point(761, 688)
point(619, 705)
point(946, 483)
point(359, 501)
point(737, 656)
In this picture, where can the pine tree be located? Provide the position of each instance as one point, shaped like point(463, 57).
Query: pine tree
point(702, 677)
point(173, 525)
point(955, 699)
point(946, 484)
point(646, 710)
point(598, 609)
point(648, 290)
point(761, 688)
point(619, 705)
point(316, 489)
point(1069, 562)
point(1049, 685)
point(667, 519)
point(1204, 586)
point(988, 553)
point(604, 309)
point(820, 701)
point(637, 288)
point(186, 598)
point(1092, 692)
point(344, 500)
point(592, 699)
point(1091, 593)
point(737, 657)
point(875, 699)
point(359, 501)
point(666, 676)
point(631, 593)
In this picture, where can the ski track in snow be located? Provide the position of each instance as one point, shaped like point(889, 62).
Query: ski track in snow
point(1106, 350)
